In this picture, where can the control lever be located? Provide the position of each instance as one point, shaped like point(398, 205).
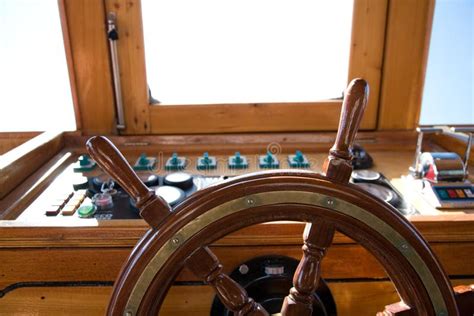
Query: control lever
point(153, 208)
point(338, 165)
point(318, 235)
point(469, 131)
point(414, 170)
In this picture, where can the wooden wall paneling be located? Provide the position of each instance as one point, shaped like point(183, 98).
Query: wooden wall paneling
point(86, 24)
point(131, 50)
point(406, 53)
point(352, 298)
point(103, 263)
point(367, 48)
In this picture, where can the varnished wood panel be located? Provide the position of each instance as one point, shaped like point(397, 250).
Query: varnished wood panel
point(227, 118)
point(352, 298)
point(359, 298)
point(92, 72)
point(19, 163)
point(131, 52)
point(11, 140)
point(366, 58)
point(405, 59)
point(103, 264)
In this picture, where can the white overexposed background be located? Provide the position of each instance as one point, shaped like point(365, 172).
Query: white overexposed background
point(448, 96)
point(246, 51)
point(35, 94)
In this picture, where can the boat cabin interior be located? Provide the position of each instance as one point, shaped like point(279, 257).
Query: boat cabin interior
point(215, 158)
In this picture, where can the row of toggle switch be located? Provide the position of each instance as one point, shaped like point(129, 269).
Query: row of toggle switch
point(205, 162)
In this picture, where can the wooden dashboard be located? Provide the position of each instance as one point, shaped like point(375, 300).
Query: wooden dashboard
point(66, 265)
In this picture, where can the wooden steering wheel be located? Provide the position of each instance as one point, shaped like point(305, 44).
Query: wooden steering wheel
point(180, 237)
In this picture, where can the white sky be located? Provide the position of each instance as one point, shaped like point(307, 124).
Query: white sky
point(35, 93)
point(229, 51)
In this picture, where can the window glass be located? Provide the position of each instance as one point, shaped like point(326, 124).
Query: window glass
point(35, 94)
point(448, 96)
point(246, 51)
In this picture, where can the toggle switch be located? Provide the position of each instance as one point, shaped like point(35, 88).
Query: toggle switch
point(298, 160)
point(238, 162)
point(269, 161)
point(144, 163)
point(175, 162)
point(84, 164)
point(206, 162)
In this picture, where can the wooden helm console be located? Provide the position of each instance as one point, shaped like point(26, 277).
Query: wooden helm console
point(180, 237)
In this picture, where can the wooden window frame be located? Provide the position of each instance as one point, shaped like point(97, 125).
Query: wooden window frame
point(365, 61)
point(390, 41)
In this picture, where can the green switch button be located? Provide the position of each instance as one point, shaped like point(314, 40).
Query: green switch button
point(84, 164)
point(268, 161)
point(206, 162)
point(298, 160)
point(175, 163)
point(86, 211)
point(238, 162)
point(144, 163)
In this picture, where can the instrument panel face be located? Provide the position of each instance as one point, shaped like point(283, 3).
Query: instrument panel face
point(83, 193)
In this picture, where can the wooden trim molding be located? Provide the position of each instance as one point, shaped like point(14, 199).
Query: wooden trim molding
point(406, 53)
point(89, 53)
point(366, 59)
point(259, 117)
point(131, 52)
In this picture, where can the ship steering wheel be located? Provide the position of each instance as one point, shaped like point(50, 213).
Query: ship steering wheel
point(327, 203)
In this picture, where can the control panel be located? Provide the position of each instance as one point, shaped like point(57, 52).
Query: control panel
point(84, 191)
point(442, 177)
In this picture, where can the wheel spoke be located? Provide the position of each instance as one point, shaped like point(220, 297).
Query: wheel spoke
point(205, 265)
point(317, 239)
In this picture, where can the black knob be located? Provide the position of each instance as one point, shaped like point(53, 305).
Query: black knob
point(150, 180)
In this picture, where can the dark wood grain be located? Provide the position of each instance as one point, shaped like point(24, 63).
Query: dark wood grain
point(205, 265)
point(338, 165)
point(317, 239)
point(318, 235)
point(464, 295)
point(404, 277)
